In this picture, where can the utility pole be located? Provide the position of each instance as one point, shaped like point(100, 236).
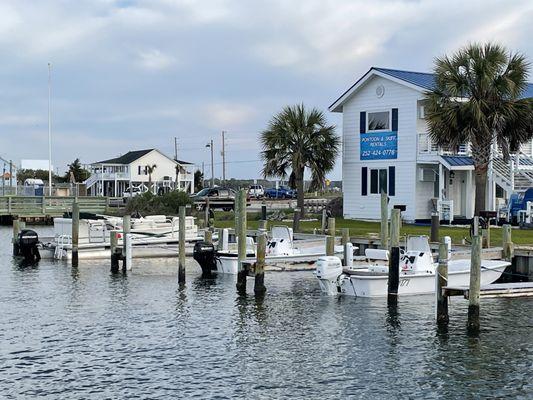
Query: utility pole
point(203, 174)
point(223, 153)
point(175, 148)
point(177, 165)
point(212, 166)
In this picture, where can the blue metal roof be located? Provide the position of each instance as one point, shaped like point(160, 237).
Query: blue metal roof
point(427, 80)
point(458, 161)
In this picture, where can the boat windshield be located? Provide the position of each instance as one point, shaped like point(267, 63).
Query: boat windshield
point(418, 243)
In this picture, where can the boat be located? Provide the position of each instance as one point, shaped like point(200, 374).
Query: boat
point(417, 273)
point(94, 236)
point(281, 251)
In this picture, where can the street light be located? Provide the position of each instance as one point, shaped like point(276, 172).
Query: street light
point(49, 131)
point(210, 144)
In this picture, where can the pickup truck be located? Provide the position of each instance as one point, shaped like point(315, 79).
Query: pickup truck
point(219, 198)
point(282, 192)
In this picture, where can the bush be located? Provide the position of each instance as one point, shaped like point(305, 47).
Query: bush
point(150, 204)
point(335, 206)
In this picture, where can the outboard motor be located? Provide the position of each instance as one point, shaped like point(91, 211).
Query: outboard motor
point(328, 271)
point(204, 254)
point(27, 245)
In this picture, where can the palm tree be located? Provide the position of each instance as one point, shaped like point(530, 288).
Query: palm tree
point(296, 139)
point(150, 170)
point(477, 100)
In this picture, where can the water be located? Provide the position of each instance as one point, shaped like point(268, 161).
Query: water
point(86, 334)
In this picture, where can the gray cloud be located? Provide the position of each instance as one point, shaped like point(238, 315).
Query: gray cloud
point(134, 74)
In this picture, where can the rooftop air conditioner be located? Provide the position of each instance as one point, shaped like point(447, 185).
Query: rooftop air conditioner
point(427, 175)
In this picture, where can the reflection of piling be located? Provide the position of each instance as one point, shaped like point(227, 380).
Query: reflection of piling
point(394, 262)
point(473, 293)
point(384, 234)
point(240, 230)
point(330, 245)
point(75, 232)
point(259, 287)
point(16, 231)
point(442, 281)
point(181, 245)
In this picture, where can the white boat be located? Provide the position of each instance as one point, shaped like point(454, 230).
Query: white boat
point(417, 273)
point(94, 235)
point(281, 251)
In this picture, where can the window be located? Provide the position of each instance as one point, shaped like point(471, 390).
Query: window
point(378, 181)
point(378, 121)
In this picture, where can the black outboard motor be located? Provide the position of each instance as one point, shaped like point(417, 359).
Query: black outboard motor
point(204, 254)
point(27, 245)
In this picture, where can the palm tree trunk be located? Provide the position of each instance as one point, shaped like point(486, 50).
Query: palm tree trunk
point(480, 172)
point(300, 188)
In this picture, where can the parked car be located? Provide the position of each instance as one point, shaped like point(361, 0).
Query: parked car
point(219, 198)
point(256, 191)
point(282, 192)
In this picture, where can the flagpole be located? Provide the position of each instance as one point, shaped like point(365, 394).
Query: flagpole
point(49, 131)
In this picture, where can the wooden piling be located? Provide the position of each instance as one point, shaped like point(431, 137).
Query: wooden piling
point(113, 239)
point(208, 236)
point(126, 230)
point(263, 225)
point(384, 234)
point(75, 232)
point(486, 235)
point(259, 287)
point(507, 245)
point(442, 281)
point(330, 245)
point(324, 221)
point(181, 245)
point(264, 212)
point(16, 231)
point(475, 278)
point(345, 235)
point(296, 220)
point(394, 276)
point(395, 228)
point(331, 226)
point(241, 241)
point(127, 253)
point(435, 225)
point(206, 214)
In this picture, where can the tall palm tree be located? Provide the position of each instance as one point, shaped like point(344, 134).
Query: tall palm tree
point(478, 99)
point(296, 139)
point(150, 170)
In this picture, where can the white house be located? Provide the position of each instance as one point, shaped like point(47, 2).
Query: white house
point(386, 147)
point(112, 177)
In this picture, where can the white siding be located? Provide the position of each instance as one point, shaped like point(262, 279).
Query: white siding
point(425, 191)
point(365, 99)
point(165, 167)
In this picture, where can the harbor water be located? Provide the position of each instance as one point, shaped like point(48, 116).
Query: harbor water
point(84, 333)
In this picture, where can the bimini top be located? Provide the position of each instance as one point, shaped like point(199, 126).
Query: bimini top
point(421, 81)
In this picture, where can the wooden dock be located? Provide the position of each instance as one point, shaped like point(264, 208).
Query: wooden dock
point(53, 206)
point(514, 289)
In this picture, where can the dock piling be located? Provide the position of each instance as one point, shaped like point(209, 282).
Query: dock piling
point(345, 236)
point(324, 220)
point(16, 231)
point(264, 212)
point(331, 226)
point(240, 228)
point(181, 245)
point(395, 228)
point(473, 293)
point(296, 220)
point(208, 236)
point(330, 245)
point(113, 239)
point(263, 225)
point(435, 225)
point(442, 281)
point(75, 232)
point(384, 234)
point(508, 246)
point(128, 254)
point(259, 287)
point(394, 263)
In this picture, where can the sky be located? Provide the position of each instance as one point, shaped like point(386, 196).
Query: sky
point(130, 75)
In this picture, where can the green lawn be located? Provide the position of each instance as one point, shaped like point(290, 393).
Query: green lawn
point(367, 229)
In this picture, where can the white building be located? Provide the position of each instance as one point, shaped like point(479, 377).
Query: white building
point(112, 177)
point(386, 147)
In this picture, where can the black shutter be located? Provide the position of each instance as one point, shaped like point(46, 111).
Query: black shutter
point(395, 120)
point(362, 122)
point(392, 181)
point(139, 170)
point(364, 181)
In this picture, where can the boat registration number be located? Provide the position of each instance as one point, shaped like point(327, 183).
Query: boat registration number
point(404, 282)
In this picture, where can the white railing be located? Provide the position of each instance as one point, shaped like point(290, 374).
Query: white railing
point(426, 146)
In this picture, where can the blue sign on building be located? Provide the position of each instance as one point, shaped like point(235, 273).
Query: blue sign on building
point(379, 146)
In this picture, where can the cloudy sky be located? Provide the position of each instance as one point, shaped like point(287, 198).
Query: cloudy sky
point(134, 74)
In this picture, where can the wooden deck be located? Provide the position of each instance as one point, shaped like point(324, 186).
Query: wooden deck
point(515, 289)
point(52, 206)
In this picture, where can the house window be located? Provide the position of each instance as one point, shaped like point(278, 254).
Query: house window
point(378, 121)
point(378, 181)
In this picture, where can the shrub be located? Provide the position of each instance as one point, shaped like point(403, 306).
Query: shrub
point(167, 204)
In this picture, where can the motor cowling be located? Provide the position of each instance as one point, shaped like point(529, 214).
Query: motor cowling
point(204, 253)
point(27, 243)
point(328, 267)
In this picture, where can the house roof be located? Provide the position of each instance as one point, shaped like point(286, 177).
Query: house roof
point(458, 162)
point(181, 162)
point(420, 80)
point(127, 158)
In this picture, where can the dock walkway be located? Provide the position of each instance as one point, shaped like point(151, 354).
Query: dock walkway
point(514, 289)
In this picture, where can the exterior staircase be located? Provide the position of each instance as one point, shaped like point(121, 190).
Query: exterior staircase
point(516, 175)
